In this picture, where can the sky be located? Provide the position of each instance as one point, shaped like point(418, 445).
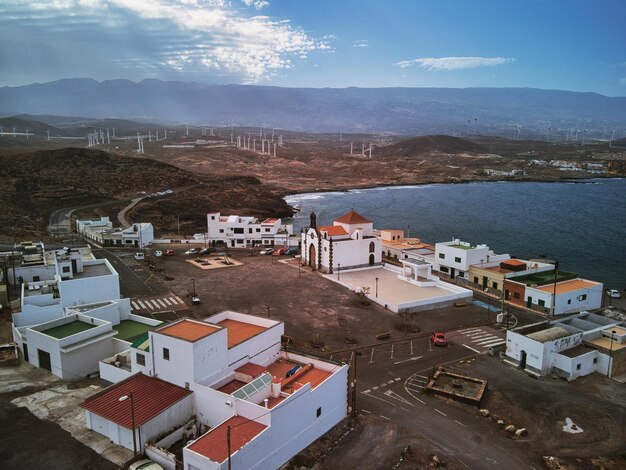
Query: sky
point(577, 45)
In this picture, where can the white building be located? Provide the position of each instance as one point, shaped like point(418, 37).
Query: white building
point(455, 257)
point(71, 313)
point(244, 232)
point(275, 402)
point(570, 347)
point(101, 231)
point(348, 244)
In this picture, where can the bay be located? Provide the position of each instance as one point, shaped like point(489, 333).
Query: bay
point(581, 224)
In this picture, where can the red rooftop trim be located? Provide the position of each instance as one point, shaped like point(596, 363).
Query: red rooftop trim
point(151, 396)
point(213, 444)
point(353, 217)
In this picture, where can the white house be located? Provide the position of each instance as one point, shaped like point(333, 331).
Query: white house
point(348, 244)
point(242, 232)
point(276, 402)
point(455, 257)
point(138, 235)
point(570, 347)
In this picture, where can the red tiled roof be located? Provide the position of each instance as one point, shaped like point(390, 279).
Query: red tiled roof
point(353, 217)
point(213, 444)
point(188, 330)
point(253, 370)
point(239, 331)
point(151, 396)
point(514, 262)
point(333, 230)
point(269, 221)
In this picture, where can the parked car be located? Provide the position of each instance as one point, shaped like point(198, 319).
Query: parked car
point(266, 251)
point(195, 300)
point(158, 253)
point(169, 253)
point(192, 251)
point(206, 251)
point(145, 464)
point(613, 293)
point(139, 256)
point(291, 251)
point(438, 338)
point(279, 251)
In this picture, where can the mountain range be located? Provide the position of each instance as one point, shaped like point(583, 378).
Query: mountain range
point(370, 110)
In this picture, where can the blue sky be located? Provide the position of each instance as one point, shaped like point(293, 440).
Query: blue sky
point(568, 44)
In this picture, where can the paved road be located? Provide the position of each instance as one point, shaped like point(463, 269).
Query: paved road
point(60, 219)
point(390, 380)
point(121, 215)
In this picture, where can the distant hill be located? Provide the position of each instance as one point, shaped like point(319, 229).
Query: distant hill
point(406, 111)
point(21, 123)
point(432, 143)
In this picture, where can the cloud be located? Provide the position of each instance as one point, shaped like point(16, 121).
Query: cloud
point(169, 36)
point(454, 63)
point(361, 43)
point(257, 4)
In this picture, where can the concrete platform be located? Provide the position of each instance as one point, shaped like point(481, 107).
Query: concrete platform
point(398, 295)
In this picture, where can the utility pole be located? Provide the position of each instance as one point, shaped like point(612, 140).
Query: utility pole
point(228, 445)
point(556, 273)
point(354, 412)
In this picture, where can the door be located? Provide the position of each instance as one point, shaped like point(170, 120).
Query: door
point(529, 302)
point(26, 352)
point(371, 259)
point(522, 360)
point(312, 255)
point(44, 360)
point(452, 272)
point(74, 267)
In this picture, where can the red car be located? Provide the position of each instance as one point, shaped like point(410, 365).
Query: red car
point(279, 251)
point(168, 253)
point(438, 338)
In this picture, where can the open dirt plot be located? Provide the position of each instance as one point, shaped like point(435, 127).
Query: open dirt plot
point(594, 403)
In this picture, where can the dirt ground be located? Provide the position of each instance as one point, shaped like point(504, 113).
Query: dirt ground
point(594, 403)
point(308, 304)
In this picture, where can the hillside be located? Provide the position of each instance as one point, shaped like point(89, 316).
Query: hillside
point(21, 123)
point(420, 146)
point(383, 110)
point(37, 183)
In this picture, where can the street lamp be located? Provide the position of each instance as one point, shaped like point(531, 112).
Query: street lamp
point(488, 302)
point(338, 269)
point(376, 287)
point(611, 354)
point(132, 416)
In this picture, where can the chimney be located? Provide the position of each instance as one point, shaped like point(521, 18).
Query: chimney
point(266, 401)
point(276, 385)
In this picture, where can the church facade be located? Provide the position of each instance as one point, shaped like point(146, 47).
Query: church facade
point(349, 243)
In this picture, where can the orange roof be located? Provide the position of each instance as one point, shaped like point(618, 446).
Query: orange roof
point(313, 375)
point(333, 230)
point(253, 370)
point(514, 262)
point(353, 217)
point(269, 221)
point(568, 286)
point(189, 330)
point(213, 444)
point(239, 331)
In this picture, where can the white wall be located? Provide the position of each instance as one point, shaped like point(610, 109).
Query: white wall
point(210, 405)
point(592, 301)
point(210, 355)
point(179, 368)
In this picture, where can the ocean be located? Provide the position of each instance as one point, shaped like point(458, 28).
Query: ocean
point(582, 224)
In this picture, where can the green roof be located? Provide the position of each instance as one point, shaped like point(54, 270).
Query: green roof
point(545, 277)
point(128, 330)
point(463, 247)
point(142, 342)
point(69, 329)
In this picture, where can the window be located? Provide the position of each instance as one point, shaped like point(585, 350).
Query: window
point(221, 230)
point(494, 285)
point(66, 269)
point(212, 217)
point(249, 230)
point(595, 360)
point(516, 295)
point(577, 366)
point(319, 412)
point(457, 259)
point(541, 303)
point(128, 241)
point(475, 280)
point(569, 301)
point(372, 247)
point(258, 230)
point(443, 269)
point(582, 297)
point(267, 230)
point(36, 278)
point(187, 385)
point(442, 256)
point(166, 354)
point(141, 359)
point(238, 230)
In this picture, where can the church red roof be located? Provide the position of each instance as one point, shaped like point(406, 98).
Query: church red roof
point(333, 230)
point(353, 217)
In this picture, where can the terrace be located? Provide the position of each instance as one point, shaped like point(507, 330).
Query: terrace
point(68, 329)
point(129, 330)
point(545, 277)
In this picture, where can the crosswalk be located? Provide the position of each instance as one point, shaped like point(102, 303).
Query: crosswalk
point(479, 337)
point(157, 304)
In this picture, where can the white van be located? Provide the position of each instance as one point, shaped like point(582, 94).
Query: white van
point(139, 256)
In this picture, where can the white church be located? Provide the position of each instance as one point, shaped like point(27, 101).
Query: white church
point(348, 244)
